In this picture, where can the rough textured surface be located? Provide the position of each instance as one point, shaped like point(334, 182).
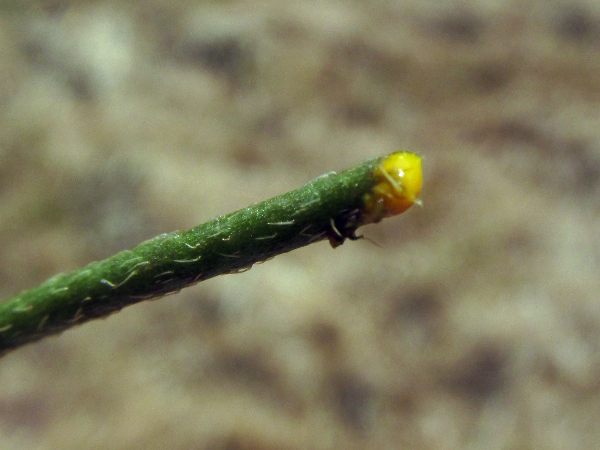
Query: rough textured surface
point(477, 325)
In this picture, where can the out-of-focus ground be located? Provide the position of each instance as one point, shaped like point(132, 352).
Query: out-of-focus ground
point(475, 326)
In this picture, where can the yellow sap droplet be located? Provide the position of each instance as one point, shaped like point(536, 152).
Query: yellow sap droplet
point(399, 179)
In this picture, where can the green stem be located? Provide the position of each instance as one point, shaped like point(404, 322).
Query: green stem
point(330, 206)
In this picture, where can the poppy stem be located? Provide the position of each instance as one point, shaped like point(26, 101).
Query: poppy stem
point(330, 207)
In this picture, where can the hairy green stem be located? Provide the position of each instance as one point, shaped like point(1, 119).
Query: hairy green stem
point(330, 206)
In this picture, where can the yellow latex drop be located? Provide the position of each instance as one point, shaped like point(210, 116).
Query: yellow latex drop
point(399, 179)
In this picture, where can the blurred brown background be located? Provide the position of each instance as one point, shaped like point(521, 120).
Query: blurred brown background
point(476, 326)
